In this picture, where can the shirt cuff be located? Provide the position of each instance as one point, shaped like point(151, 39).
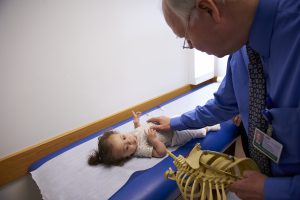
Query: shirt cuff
point(277, 188)
point(177, 124)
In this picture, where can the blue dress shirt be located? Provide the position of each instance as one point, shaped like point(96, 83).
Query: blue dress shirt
point(275, 35)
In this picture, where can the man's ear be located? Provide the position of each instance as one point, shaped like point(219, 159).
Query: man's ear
point(210, 7)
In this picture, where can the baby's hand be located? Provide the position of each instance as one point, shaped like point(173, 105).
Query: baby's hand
point(151, 135)
point(136, 116)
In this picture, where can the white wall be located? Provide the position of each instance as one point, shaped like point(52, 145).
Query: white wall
point(203, 68)
point(220, 66)
point(66, 63)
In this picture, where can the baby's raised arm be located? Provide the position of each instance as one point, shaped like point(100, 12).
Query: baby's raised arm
point(159, 148)
point(136, 119)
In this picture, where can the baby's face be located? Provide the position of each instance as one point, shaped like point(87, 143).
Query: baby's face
point(124, 145)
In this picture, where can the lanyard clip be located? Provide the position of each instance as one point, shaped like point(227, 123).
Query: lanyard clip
point(267, 115)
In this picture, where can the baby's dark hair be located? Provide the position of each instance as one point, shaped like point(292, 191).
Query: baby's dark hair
point(104, 153)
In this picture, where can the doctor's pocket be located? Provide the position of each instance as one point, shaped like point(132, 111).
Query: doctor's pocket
point(286, 130)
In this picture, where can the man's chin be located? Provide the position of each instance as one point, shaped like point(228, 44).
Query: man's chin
point(220, 55)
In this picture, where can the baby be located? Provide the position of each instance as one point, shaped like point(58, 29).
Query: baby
point(115, 148)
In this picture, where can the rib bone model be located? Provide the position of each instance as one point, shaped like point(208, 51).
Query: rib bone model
point(207, 174)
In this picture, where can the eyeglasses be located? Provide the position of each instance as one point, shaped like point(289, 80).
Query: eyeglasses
point(187, 44)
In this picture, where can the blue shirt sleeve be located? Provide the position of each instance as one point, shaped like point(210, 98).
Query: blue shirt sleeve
point(282, 188)
point(221, 108)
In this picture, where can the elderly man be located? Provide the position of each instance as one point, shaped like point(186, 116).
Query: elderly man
point(261, 83)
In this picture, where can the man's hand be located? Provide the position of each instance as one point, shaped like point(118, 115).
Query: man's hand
point(237, 120)
point(163, 123)
point(250, 187)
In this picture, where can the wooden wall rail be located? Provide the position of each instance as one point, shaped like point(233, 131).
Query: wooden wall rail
point(16, 165)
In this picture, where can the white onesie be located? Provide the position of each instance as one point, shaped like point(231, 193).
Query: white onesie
point(171, 138)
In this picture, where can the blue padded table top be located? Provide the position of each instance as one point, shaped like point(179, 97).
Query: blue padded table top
point(144, 184)
point(150, 184)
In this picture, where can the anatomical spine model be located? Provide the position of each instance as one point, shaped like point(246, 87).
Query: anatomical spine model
point(207, 174)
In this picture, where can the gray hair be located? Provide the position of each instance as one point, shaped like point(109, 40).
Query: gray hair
point(181, 8)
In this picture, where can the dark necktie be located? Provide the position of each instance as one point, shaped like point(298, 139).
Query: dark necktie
point(257, 103)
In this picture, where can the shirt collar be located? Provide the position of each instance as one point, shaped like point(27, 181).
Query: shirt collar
point(262, 27)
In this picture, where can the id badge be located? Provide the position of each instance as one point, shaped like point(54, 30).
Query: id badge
point(267, 145)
